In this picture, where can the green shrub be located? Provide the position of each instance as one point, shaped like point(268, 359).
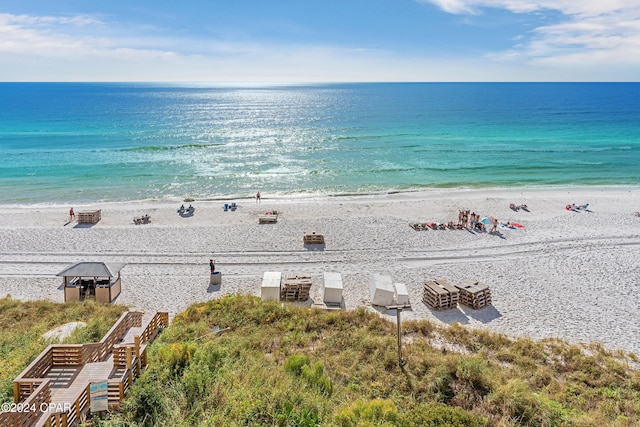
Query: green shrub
point(314, 374)
point(295, 363)
point(147, 406)
point(175, 357)
point(378, 412)
point(473, 381)
point(437, 415)
point(296, 414)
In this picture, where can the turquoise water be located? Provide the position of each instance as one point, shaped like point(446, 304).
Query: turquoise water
point(68, 142)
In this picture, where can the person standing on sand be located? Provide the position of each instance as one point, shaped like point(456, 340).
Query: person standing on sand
point(72, 215)
point(494, 225)
point(258, 197)
point(212, 266)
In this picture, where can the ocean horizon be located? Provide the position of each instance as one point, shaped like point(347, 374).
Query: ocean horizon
point(95, 142)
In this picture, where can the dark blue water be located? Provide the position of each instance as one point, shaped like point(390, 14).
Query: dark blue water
point(66, 142)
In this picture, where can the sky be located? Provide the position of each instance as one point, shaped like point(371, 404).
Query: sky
point(319, 41)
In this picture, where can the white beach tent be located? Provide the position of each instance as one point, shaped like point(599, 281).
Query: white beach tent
point(381, 290)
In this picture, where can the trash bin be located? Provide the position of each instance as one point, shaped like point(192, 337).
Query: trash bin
point(216, 278)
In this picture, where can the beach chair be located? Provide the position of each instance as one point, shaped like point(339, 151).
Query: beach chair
point(181, 210)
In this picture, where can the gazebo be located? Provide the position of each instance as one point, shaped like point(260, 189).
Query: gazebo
point(91, 280)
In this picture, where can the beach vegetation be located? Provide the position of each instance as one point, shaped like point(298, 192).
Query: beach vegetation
point(287, 365)
point(238, 361)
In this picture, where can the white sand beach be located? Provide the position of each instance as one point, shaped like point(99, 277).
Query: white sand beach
point(572, 275)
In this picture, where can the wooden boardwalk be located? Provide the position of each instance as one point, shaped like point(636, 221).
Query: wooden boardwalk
point(57, 383)
point(68, 382)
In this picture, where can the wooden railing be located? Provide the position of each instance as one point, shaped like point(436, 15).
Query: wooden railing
point(25, 387)
point(72, 355)
point(117, 388)
point(79, 407)
point(34, 403)
point(156, 324)
point(128, 320)
point(91, 352)
point(31, 386)
point(67, 355)
point(40, 366)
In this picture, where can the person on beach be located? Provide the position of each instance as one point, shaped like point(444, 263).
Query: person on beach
point(494, 225)
point(258, 197)
point(72, 215)
point(212, 266)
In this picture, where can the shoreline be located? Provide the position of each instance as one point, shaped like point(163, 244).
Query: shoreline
point(572, 275)
point(310, 196)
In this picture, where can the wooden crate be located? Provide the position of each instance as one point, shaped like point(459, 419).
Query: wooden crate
point(313, 237)
point(89, 217)
point(267, 218)
point(440, 295)
point(295, 288)
point(474, 294)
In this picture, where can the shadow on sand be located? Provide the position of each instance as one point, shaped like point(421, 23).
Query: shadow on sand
point(314, 247)
point(83, 225)
point(450, 316)
point(486, 314)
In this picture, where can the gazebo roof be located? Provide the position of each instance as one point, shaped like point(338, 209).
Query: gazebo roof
point(91, 269)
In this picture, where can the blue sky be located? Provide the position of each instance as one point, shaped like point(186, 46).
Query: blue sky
point(320, 41)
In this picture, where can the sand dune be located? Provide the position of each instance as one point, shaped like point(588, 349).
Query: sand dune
point(574, 275)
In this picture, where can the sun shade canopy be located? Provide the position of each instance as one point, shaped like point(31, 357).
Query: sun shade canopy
point(91, 269)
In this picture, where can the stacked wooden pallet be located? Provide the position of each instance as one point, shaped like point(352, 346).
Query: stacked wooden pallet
point(268, 217)
point(295, 288)
point(440, 295)
point(474, 294)
point(89, 217)
point(313, 237)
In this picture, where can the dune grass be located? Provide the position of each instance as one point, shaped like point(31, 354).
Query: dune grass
point(22, 325)
point(285, 365)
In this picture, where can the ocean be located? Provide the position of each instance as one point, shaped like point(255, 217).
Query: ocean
point(88, 142)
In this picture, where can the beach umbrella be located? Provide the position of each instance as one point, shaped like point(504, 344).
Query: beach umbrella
point(485, 220)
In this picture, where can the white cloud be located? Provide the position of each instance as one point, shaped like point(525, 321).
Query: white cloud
point(591, 32)
point(568, 7)
point(86, 48)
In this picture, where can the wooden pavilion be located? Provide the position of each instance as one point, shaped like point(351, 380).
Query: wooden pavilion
point(91, 280)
